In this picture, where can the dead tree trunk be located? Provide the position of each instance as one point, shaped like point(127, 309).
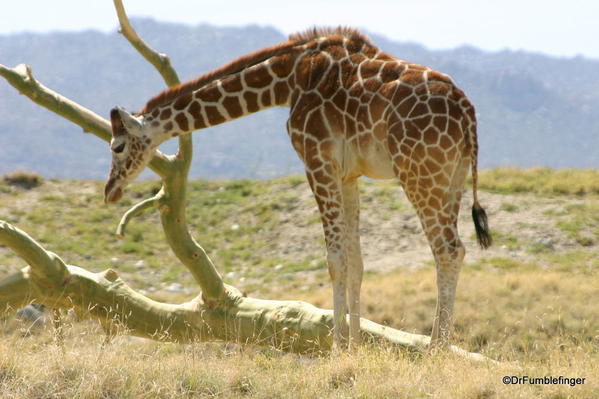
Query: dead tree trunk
point(220, 312)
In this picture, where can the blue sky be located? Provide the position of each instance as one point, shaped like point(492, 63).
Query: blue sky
point(561, 28)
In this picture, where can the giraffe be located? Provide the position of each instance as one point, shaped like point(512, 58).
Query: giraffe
point(354, 111)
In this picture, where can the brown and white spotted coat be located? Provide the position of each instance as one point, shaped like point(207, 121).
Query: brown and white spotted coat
point(355, 111)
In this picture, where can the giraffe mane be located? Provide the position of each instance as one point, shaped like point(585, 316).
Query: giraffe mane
point(245, 61)
point(316, 32)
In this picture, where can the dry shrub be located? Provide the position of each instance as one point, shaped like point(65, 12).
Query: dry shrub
point(23, 179)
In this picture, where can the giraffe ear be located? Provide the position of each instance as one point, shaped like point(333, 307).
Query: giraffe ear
point(123, 122)
point(118, 129)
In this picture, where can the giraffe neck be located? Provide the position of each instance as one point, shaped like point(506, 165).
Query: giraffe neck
point(264, 85)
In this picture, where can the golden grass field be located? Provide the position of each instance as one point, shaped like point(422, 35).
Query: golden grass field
point(532, 305)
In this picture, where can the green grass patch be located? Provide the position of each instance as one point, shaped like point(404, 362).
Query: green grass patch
point(295, 181)
point(538, 248)
point(501, 263)
point(509, 207)
point(580, 222)
point(572, 261)
point(502, 238)
point(504, 263)
point(543, 181)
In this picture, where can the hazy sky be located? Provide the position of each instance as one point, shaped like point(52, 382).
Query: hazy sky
point(563, 28)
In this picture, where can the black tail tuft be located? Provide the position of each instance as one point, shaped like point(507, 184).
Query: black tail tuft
point(479, 216)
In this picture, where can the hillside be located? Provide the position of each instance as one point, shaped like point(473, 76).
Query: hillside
point(256, 229)
point(533, 109)
point(528, 301)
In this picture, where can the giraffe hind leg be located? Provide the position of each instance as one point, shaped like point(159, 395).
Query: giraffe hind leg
point(448, 251)
point(448, 261)
point(437, 206)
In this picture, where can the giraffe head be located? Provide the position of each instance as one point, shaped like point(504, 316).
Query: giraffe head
point(132, 149)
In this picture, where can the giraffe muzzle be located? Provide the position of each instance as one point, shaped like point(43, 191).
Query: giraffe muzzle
point(111, 193)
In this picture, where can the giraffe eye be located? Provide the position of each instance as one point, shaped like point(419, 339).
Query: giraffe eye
point(119, 148)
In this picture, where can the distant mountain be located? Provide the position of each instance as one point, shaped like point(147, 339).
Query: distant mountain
point(533, 109)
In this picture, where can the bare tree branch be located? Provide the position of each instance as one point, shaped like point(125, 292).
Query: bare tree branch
point(136, 210)
point(172, 203)
point(21, 78)
point(49, 269)
point(288, 325)
point(160, 61)
point(163, 65)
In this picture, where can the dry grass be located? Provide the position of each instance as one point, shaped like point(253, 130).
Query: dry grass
point(147, 370)
point(507, 314)
point(538, 322)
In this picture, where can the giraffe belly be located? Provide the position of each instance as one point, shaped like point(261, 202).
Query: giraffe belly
point(374, 161)
point(378, 168)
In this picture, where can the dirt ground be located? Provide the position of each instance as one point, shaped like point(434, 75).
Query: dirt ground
point(524, 225)
point(393, 238)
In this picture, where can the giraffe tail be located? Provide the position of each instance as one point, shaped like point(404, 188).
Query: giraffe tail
point(481, 225)
point(479, 216)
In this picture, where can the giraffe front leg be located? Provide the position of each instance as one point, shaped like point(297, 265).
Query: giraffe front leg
point(337, 265)
point(328, 195)
point(351, 205)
